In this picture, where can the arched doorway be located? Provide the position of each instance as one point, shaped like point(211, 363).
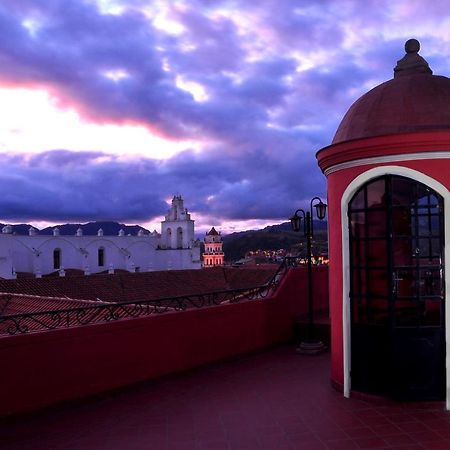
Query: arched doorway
point(396, 239)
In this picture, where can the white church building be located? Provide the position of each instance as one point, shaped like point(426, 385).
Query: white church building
point(175, 248)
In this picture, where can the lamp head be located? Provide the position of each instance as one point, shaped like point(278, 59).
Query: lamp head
point(321, 209)
point(296, 222)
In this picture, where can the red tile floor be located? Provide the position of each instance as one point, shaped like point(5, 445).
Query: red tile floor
point(272, 400)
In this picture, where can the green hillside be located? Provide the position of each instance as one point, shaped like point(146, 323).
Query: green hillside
point(275, 237)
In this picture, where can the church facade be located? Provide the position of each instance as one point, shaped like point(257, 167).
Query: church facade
point(175, 248)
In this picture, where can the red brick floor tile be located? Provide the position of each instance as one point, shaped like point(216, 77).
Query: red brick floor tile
point(400, 418)
point(330, 435)
point(425, 416)
point(437, 424)
point(408, 447)
point(376, 421)
point(244, 444)
point(295, 428)
point(444, 432)
point(441, 445)
point(347, 420)
point(426, 436)
point(213, 445)
point(363, 432)
point(309, 445)
point(269, 430)
point(342, 444)
point(369, 414)
point(399, 439)
point(371, 442)
point(322, 425)
point(183, 445)
point(411, 427)
point(388, 429)
point(274, 442)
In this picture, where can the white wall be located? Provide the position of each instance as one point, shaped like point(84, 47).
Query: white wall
point(174, 249)
point(34, 254)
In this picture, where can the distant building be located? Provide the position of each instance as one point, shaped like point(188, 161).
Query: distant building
point(213, 255)
point(174, 248)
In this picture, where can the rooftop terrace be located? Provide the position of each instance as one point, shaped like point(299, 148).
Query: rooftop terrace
point(159, 381)
point(274, 399)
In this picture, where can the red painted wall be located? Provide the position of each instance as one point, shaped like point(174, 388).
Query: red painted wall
point(43, 368)
point(337, 183)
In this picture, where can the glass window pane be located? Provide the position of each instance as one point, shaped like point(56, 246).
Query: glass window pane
point(402, 252)
point(427, 224)
point(376, 223)
point(376, 193)
point(402, 191)
point(401, 221)
point(357, 224)
point(377, 254)
point(358, 200)
point(404, 283)
point(432, 313)
point(430, 249)
point(430, 282)
point(378, 283)
point(359, 282)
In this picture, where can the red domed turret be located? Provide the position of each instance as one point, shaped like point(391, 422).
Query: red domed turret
point(388, 200)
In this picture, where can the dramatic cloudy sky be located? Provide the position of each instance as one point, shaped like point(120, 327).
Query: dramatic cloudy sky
point(110, 107)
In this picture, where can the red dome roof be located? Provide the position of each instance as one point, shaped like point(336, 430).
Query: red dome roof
point(415, 100)
point(212, 232)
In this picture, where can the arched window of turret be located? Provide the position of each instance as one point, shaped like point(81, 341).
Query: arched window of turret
point(179, 237)
point(57, 258)
point(101, 257)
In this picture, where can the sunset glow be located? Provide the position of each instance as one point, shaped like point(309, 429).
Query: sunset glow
point(42, 126)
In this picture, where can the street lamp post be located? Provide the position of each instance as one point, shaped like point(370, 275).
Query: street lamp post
point(310, 346)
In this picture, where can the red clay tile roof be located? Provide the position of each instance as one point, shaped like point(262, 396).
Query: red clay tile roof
point(22, 303)
point(39, 295)
point(125, 287)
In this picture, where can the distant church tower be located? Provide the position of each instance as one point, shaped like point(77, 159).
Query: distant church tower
point(177, 229)
point(213, 255)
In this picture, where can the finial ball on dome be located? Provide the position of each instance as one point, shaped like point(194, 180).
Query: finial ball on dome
point(412, 46)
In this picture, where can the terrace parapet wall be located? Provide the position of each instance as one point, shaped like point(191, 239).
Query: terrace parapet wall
point(65, 364)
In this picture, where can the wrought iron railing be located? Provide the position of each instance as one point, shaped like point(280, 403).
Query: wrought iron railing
point(110, 312)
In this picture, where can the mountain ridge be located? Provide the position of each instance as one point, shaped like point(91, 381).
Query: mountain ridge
point(109, 228)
